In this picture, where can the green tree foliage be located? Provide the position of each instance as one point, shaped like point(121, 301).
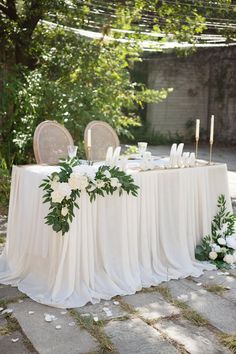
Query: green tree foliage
point(48, 70)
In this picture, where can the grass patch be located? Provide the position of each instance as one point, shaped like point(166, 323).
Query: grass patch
point(186, 311)
point(96, 330)
point(190, 314)
point(229, 341)
point(128, 308)
point(215, 288)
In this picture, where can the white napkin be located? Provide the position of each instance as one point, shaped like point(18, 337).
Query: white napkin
point(173, 151)
point(109, 155)
point(179, 152)
point(192, 159)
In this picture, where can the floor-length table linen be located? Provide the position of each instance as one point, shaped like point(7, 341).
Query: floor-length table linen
point(115, 245)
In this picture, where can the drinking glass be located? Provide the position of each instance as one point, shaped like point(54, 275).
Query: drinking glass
point(142, 147)
point(72, 150)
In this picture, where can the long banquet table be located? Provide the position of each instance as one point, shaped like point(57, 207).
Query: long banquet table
point(115, 245)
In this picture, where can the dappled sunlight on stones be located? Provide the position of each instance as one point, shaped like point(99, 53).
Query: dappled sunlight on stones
point(151, 305)
point(195, 339)
point(220, 312)
point(135, 336)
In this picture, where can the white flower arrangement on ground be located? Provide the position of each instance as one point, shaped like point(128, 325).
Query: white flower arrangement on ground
point(220, 246)
point(63, 189)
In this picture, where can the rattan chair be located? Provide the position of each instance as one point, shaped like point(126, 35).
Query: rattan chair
point(102, 136)
point(50, 142)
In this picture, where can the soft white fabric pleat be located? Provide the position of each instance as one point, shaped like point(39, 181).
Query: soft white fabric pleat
point(117, 244)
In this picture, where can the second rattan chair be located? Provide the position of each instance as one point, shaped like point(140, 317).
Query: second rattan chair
point(102, 136)
point(50, 142)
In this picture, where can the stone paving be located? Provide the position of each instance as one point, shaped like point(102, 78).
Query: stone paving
point(193, 315)
point(183, 316)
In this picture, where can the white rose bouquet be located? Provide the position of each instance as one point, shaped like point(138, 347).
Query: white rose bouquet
point(63, 189)
point(220, 246)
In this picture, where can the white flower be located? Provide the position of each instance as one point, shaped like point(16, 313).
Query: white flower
point(107, 174)
point(54, 184)
point(228, 258)
point(115, 182)
point(231, 241)
point(64, 211)
point(213, 255)
point(64, 189)
point(83, 180)
point(100, 183)
point(73, 181)
point(221, 241)
point(86, 170)
point(77, 181)
point(56, 197)
point(216, 248)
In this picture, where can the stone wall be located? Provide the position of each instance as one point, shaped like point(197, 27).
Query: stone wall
point(203, 83)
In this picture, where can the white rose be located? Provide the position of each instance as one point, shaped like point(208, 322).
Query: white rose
point(83, 182)
point(213, 255)
point(54, 184)
point(231, 241)
point(64, 189)
point(114, 182)
point(84, 170)
point(56, 197)
point(216, 248)
point(107, 174)
point(228, 258)
point(73, 181)
point(64, 211)
point(100, 183)
point(221, 241)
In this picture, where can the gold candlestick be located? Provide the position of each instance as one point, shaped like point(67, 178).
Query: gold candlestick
point(210, 157)
point(196, 151)
point(89, 153)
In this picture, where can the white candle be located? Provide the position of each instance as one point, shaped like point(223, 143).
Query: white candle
point(89, 138)
point(197, 128)
point(212, 130)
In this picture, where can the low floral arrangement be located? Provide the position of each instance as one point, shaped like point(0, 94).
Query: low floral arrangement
point(220, 246)
point(63, 189)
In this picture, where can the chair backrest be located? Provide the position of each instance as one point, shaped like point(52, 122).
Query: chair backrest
point(102, 136)
point(50, 142)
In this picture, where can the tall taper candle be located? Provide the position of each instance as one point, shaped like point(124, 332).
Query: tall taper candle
point(197, 129)
point(212, 130)
point(89, 138)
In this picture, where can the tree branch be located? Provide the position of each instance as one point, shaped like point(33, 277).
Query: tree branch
point(33, 15)
point(11, 4)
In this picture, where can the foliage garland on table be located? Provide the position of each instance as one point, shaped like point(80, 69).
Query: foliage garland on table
point(63, 189)
point(220, 246)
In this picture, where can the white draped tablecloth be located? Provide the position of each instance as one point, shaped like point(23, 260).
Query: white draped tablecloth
point(115, 245)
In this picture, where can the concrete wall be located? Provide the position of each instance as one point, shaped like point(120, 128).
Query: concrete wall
point(203, 83)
